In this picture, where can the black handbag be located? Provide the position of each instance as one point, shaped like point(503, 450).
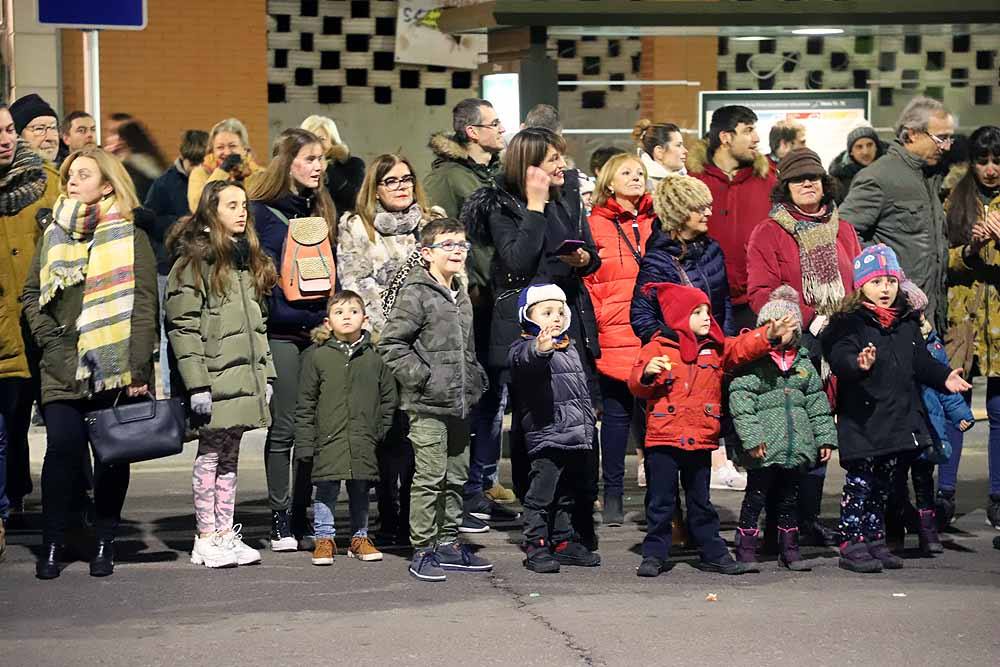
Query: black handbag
point(141, 431)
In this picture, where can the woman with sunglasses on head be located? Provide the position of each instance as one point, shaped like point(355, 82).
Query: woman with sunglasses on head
point(373, 244)
point(805, 244)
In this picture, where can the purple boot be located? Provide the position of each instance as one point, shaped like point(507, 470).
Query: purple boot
point(746, 544)
point(790, 557)
point(930, 543)
point(854, 556)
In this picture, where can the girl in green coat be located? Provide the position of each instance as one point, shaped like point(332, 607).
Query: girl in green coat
point(215, 320)
point(782, 417)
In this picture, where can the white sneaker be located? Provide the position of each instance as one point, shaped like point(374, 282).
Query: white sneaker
point(728, 478)
point(212, 552)
point(233, 540)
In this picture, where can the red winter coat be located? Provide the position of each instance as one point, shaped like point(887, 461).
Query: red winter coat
point(773, 260)
point(684, 404)
point(738, 206)
point(611, 286)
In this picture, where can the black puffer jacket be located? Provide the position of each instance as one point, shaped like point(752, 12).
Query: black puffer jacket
point(551, 400)
point(880, 412)
point(524, 242)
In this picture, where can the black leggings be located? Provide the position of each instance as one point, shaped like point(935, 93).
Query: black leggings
point(782, 484)
point(68, 440)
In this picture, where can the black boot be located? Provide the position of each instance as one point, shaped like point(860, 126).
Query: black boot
point(944, 508)
point(47, 566)
point(811, 531)
point(538, 558)
point(103, 562)
point(614, 510)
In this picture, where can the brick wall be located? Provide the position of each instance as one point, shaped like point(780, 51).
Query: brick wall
point(196, 63)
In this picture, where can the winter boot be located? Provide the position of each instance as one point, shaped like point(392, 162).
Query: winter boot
point(746, 544)
point(993, 512)
point(880, 550)
point(614, 510)
point(944, 508)
point(930, 544)
point(538, 558)
point(854, 556)
point(788, 542)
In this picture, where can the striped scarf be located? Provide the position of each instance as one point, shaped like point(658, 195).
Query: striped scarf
point(816, 236)
point(23, 182)
point(94, 245)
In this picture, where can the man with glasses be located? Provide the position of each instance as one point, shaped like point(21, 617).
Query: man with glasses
point(465, 161)
point(36, 123)
point(894, 201)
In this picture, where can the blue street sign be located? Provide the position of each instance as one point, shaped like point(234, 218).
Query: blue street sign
point(93, 14)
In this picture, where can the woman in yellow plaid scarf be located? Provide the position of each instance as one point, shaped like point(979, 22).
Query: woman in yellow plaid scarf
point(90, 299)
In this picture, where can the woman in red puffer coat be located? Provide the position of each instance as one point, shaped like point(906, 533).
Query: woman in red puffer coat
point(620, 222)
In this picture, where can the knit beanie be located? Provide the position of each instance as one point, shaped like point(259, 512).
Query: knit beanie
point(914, 295)
point(675, 197)
point(784, 300)
point(536, 294)
point(800, 162)
point(875, 261)
point(28, 108)
point(677, 302)
point(861, 132)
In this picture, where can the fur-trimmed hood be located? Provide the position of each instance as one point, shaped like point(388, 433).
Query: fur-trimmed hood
point(482, 204)
point(697, 161)
point(447, 149)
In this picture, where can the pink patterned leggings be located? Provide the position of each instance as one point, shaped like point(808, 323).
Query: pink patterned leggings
point(214, 478)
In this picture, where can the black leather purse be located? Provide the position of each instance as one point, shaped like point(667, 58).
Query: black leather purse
point(141, 431)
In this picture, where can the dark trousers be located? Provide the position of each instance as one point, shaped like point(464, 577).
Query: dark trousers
point(765, 484)
point(62, 466)
point(553, 482)
point(395, 470)
point(616, 422)
point(16, 398)
point(485, 443)
point(663, 465)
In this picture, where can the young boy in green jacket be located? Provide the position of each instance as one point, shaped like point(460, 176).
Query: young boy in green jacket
point(427, 342)
point(782, 417)
point(346, 402)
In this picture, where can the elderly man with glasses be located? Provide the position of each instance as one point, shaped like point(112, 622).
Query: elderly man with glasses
point(894, 200)
point(36, 123)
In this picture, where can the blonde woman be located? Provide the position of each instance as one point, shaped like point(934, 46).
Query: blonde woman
point(228, 159)
point(344, 172)
point(97, 338)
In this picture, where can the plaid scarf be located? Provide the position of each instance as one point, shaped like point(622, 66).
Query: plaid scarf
point(24, 181)
point(816, 236)
point(94, 245)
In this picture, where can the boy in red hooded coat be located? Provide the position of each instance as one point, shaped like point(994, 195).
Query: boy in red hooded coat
point(681, 380)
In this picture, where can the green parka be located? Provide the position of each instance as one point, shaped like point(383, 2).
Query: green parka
point(347, 398)
point(219, 342)
point(786, 411)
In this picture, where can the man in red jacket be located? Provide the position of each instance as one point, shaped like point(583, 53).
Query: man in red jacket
point(741, 180)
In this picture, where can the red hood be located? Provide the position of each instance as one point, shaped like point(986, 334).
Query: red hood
point(677, 302)
point(611, 209)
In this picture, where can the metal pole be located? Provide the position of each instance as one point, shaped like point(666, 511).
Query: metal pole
point(92, 77)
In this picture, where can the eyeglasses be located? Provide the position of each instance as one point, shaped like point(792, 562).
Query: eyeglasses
point(452, 246)
point(812, 178)
point(946, 140)
point(494, 125)
point(39, 130)
point(393, 183)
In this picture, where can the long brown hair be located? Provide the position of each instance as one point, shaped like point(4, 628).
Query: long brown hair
point(195, 246)
point(528, 149)
point(276, 181)
point(964, 208)
point(368, 194)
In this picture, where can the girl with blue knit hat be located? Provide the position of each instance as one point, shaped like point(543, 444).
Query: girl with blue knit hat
point(876, 350)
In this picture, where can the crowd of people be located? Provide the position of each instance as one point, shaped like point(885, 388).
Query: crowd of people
point(379, 325)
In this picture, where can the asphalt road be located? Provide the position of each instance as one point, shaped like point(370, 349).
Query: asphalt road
point(158, 609)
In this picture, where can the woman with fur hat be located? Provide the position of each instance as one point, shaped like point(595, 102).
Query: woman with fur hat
point(878, 354)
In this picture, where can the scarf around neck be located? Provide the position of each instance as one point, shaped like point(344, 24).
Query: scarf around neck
point(94, 245)
point(885, 316)
point(24, 181)
point(816, 236)
point(395, 223)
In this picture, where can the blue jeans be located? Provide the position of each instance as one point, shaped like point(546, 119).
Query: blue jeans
point(326, 500)
point(619, 408)
point(161, 283)
point(486, 422)
point(4, 503)
point(948, 475)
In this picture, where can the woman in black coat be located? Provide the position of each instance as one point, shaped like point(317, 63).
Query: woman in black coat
point(533, 210)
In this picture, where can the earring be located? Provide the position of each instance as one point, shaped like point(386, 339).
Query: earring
point(611, 189)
